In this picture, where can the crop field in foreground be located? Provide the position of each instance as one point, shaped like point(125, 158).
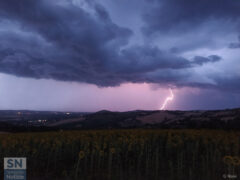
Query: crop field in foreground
point(126, 154)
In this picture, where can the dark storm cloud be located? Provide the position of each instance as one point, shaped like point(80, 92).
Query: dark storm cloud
point(228, 83)
point(235, 45)
point(45, 39)
point(186, 15)
point(189, 25)
point(202, 60)
point(199, 24)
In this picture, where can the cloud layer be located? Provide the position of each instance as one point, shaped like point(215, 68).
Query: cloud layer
point(64, 41)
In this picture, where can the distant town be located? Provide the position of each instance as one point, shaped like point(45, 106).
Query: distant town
point(36, 118)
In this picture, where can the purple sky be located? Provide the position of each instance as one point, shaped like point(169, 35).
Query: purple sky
point(81, 55)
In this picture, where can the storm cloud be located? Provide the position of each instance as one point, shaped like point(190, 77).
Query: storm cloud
point(201, 60)
point(186, 15)
point(64, 41)
point(235, 45)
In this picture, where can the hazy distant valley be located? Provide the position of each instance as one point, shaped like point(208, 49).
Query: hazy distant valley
point(48, 120)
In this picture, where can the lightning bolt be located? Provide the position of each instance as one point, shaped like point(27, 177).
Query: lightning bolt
point(169, 98)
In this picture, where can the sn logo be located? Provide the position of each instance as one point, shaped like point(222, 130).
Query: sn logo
point(14, 163)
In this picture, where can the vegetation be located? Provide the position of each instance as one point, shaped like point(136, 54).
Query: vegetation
point(126, 154)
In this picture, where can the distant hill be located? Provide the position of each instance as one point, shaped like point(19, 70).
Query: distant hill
point(32, 120)
point(219, 119)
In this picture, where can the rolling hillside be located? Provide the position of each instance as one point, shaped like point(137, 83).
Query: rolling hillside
point(156, 119)
point(44, 121)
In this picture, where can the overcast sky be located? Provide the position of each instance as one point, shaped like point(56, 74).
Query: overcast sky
point(86, 55)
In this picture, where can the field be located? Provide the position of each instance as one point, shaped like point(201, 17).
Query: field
point(126, 154)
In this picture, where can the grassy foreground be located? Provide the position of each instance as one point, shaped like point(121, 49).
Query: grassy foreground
point(126, 154)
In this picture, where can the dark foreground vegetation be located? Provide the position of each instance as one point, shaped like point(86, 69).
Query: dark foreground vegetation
point(126, 154)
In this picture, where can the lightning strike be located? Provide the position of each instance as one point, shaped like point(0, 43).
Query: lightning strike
point(169, 98)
